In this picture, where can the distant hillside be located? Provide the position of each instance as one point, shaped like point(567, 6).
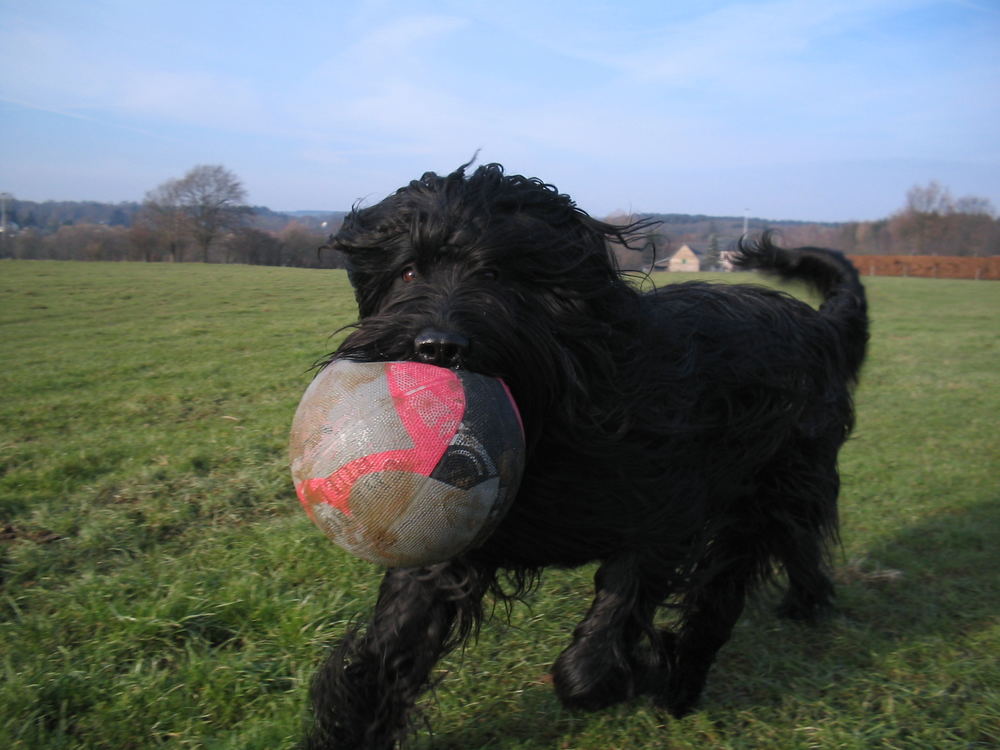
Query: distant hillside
point(962, 227)
point(316, 221)
point(48, 216)
point(700, 223)
point(696, 229)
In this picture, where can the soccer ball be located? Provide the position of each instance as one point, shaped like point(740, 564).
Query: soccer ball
point(403, 463)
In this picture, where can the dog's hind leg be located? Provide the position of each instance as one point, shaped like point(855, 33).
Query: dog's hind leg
point(364, 692)
point(802, 502)
point(600, 667)
point(809, 597)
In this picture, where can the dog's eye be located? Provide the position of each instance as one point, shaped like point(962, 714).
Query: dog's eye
point(409, 274)
point(488, 274)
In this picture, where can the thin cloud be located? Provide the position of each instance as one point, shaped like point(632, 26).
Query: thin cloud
point(103, 122)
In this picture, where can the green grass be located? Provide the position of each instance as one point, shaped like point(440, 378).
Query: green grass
point(161, 588)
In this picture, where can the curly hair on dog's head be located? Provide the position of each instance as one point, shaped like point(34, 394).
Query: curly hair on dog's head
point(686, 438)
point(501, 260)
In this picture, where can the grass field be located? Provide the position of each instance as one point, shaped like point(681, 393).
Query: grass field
point(161, 587)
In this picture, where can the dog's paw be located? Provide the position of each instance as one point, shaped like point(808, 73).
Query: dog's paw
point(680, 699)
point(681, 707)
point(683, 687)
point(806, 611)
point(592, 681)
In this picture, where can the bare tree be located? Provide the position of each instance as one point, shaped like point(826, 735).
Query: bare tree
point(202, 205)
point(213, 198)
point(975, 205)
point(932, 198)
point(163, 213)
point(933, 222)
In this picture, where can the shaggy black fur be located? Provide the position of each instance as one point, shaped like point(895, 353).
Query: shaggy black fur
point(686, 438)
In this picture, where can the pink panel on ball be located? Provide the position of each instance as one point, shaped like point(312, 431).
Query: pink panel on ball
point(430, 402)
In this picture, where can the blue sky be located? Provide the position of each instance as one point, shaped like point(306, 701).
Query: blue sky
point(804, 110)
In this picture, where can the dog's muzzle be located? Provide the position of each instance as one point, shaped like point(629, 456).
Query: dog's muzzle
point(442, 348)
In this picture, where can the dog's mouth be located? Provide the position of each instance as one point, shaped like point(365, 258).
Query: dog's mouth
point(442, 347)
point(490, 343)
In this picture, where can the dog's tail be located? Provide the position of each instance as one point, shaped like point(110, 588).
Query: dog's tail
point(829, 273)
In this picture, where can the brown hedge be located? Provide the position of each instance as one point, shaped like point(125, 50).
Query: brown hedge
point(929, 266)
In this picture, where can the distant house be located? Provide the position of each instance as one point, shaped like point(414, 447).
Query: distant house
point(685, 259)
point(726, 260)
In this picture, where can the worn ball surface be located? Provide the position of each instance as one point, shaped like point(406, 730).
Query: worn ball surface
point(403, 463)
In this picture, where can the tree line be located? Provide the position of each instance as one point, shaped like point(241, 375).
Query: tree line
point(203, 216)
point(932, 222)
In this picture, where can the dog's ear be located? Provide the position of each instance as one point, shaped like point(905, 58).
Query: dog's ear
point(370, 238)
point(365, 271)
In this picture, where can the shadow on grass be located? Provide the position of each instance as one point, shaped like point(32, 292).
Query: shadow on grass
point(938, 577)
point(935, 581)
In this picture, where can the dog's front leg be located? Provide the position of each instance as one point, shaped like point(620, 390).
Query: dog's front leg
point(364, 692)
point(599, 668)
point(708, 615)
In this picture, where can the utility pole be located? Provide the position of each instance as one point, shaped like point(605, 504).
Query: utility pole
point(4, 197)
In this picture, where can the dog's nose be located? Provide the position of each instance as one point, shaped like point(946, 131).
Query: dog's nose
point(442, 348)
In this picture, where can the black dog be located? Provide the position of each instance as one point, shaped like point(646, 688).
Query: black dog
point(686, 438)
